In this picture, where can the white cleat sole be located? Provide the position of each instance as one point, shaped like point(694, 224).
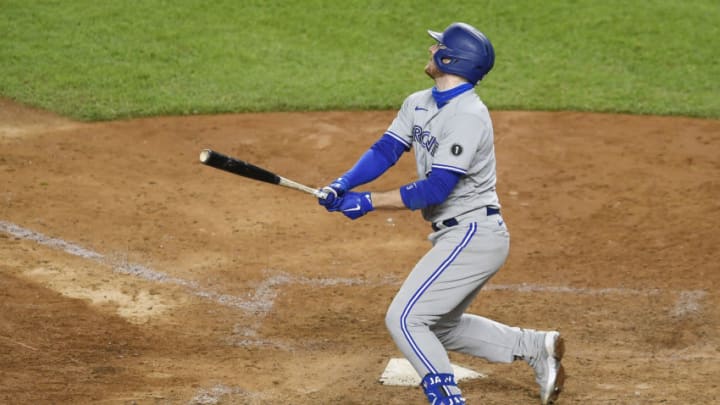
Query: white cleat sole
point(555, 346)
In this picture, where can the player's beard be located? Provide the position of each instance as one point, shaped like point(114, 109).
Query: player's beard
point(432, 70)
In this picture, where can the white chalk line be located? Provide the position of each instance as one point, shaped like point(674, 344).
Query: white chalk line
point(265, 293)
point(582, 290)
point(260, 303)
point(215, 394)
point(263, 299)
point(687, 304)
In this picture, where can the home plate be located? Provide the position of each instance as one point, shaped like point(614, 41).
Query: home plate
point(400, 372)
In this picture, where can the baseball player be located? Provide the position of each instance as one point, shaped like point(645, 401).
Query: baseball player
point(450, 131)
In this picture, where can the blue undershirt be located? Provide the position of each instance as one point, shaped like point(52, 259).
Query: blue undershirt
point(443, 97)
point(380, 157)
point(432, 191)
point(387, 151)
point(383, 155)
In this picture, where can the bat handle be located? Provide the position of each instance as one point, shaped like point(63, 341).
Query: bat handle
point(320, 194)
point(298, 186)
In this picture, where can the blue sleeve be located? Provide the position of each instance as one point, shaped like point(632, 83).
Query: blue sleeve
point(432, 191)
point(380, 157)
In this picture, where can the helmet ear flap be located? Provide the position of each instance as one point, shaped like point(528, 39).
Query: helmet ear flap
point(443, 58)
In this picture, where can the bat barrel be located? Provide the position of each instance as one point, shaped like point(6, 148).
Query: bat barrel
point(232, 165)
point(214, 159)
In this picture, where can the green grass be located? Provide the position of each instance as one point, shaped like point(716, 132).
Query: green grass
point(99, 60)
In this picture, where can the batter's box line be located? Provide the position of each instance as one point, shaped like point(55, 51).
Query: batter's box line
point(260, 303)
point(535, 288)
point(688, 301)
point(264, 297)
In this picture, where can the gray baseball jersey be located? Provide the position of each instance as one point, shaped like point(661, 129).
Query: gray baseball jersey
point(459, 138)
point(427, 316)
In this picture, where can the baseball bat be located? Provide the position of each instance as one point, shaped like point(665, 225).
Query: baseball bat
point(236, 166)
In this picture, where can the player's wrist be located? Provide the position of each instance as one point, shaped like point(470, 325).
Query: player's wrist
point(387, 199)
point(341, 185)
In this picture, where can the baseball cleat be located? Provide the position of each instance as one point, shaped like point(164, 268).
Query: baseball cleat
point(549, 372)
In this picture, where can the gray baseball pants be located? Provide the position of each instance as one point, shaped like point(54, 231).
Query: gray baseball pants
point(427, 316)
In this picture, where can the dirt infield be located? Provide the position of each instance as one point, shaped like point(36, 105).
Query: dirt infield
point(130, 273)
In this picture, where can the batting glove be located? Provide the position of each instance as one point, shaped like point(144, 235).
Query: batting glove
point(354, 205)
point(335, 192)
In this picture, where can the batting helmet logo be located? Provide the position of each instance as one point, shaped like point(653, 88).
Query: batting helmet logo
point(465, 52)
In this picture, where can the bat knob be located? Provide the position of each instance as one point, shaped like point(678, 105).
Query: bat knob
point(205, 155)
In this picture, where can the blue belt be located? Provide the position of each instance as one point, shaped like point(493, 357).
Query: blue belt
point(436, 226)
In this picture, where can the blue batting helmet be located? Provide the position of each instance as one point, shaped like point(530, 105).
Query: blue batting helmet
point(465, 52)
